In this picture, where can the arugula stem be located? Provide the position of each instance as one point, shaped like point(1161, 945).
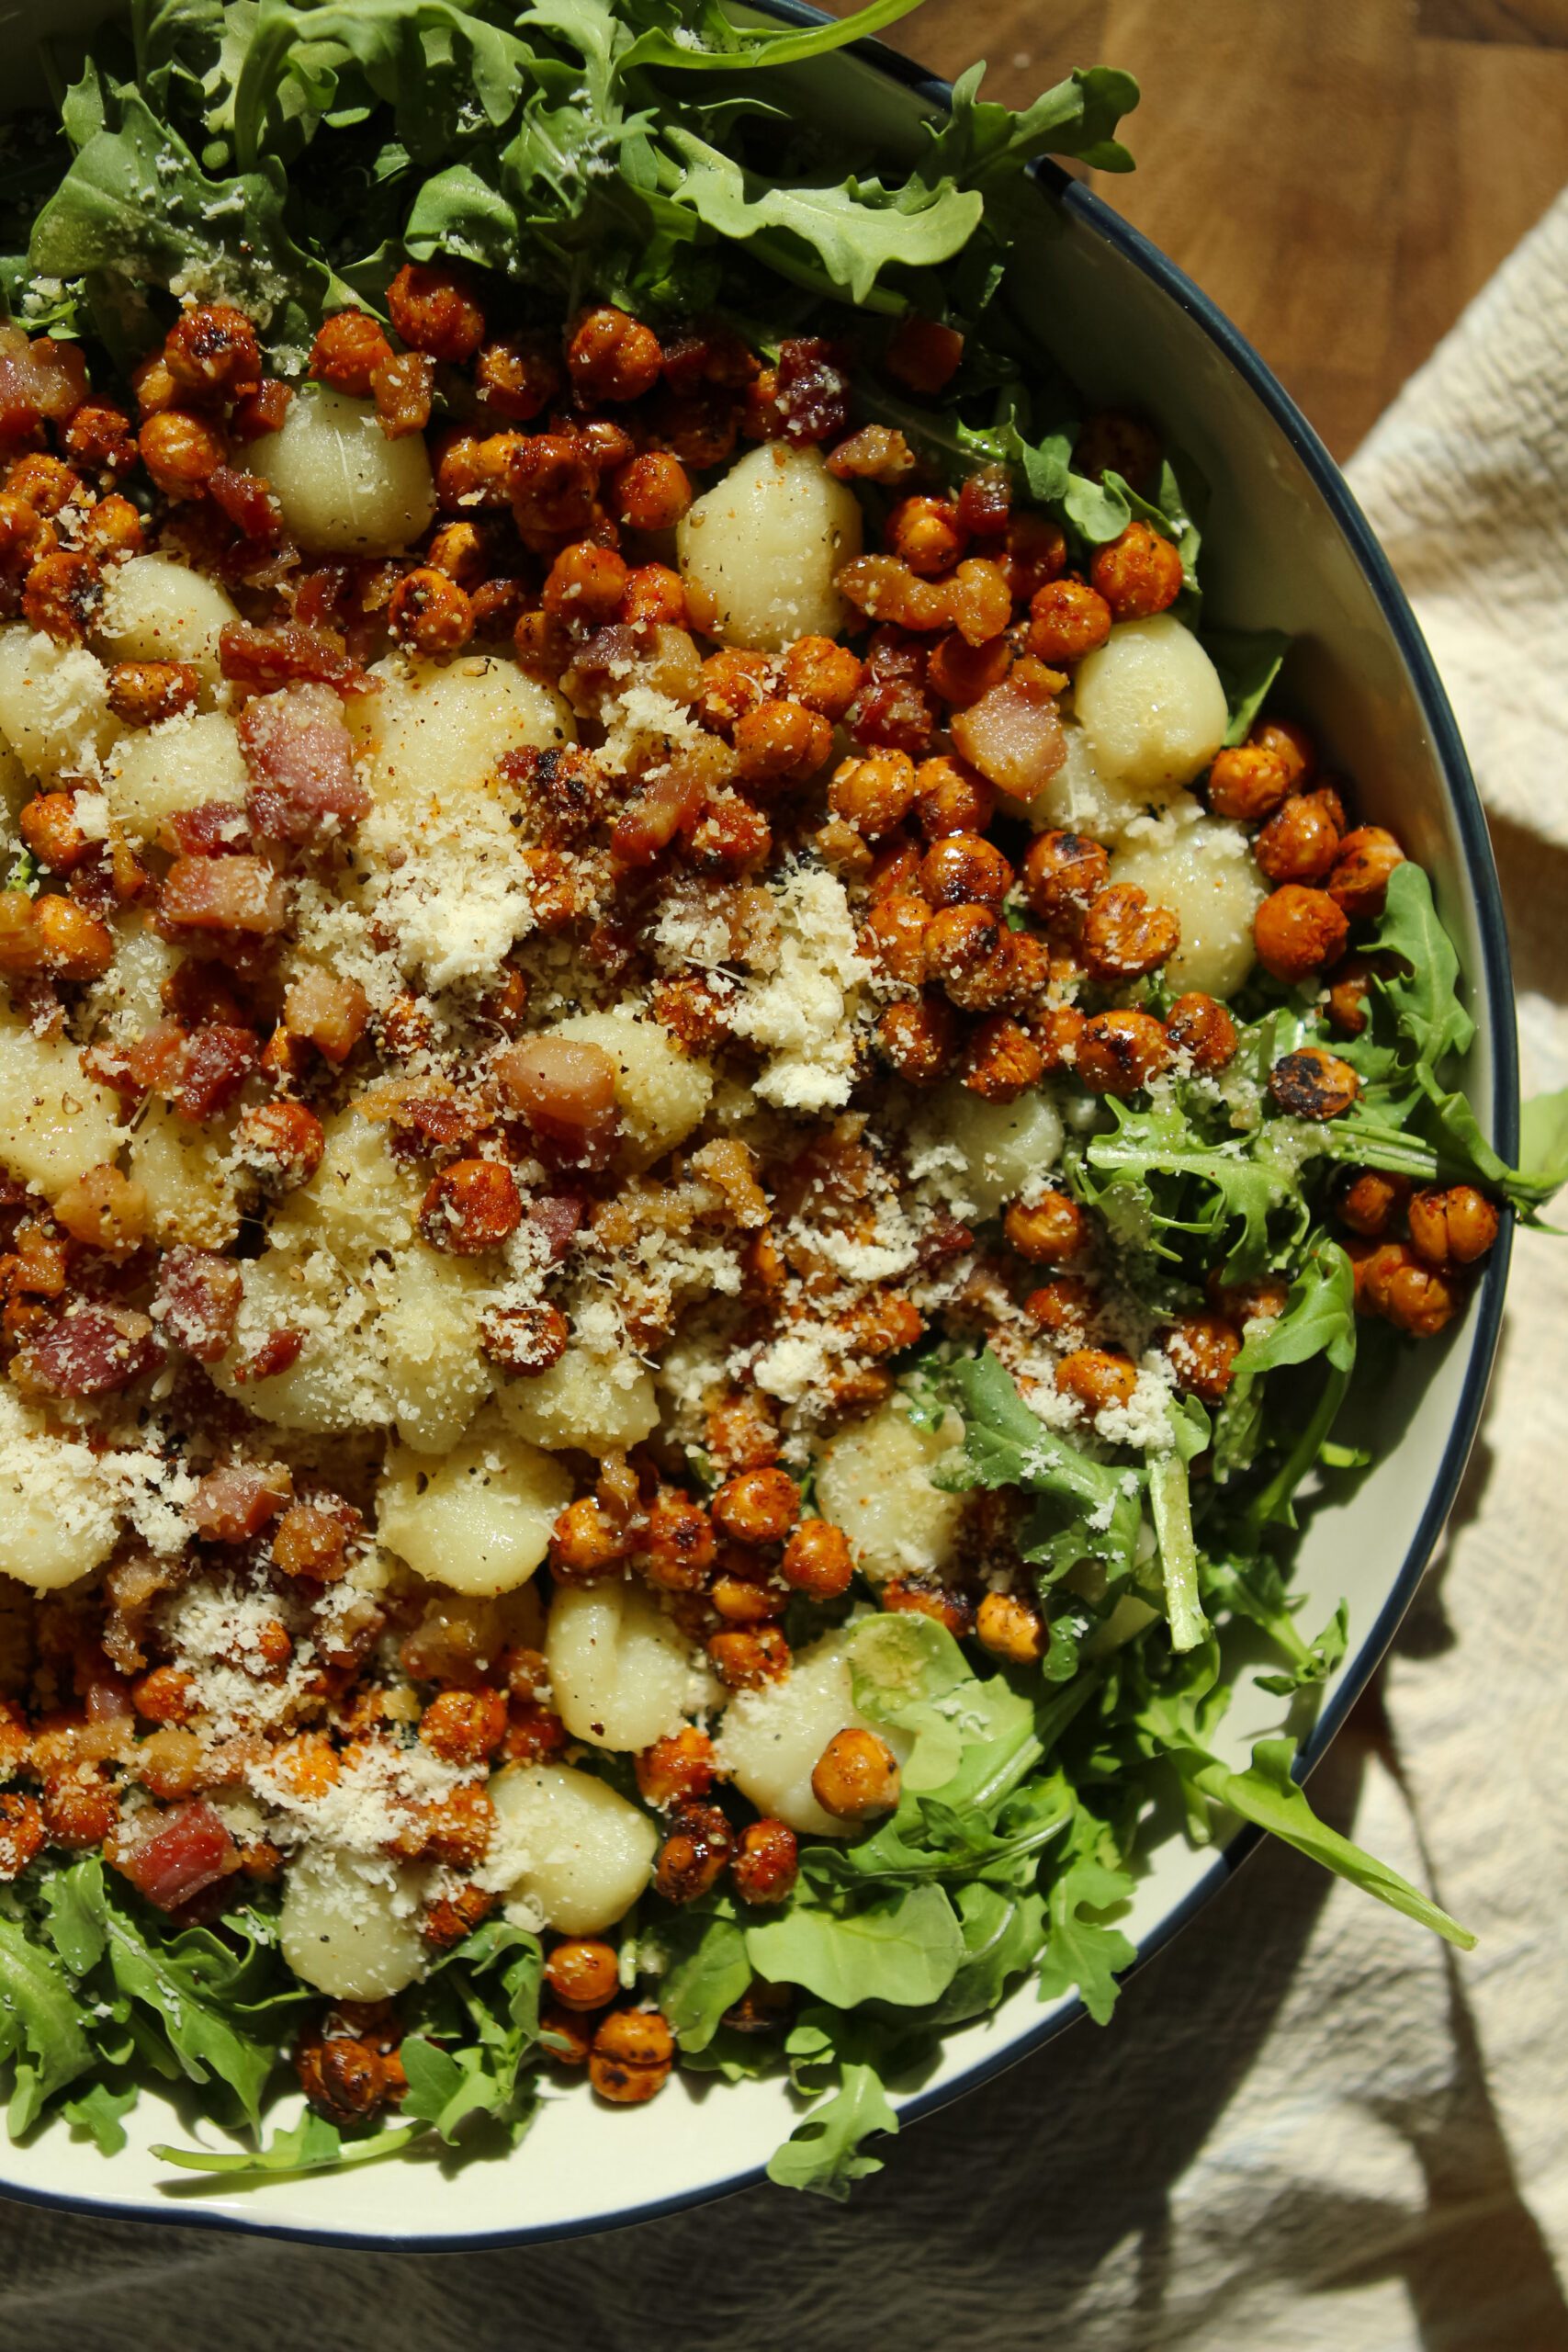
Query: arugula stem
point(1269, 1504)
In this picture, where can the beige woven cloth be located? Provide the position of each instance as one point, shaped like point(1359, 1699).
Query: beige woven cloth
point(1310, 2128)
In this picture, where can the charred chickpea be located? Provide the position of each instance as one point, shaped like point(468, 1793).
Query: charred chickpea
point(780, 741)
point(181, 452)
point(1393, 1281)
point(345, 2077)
point(80, 1806)
point(926, 534)
point(470, 1206)
point(952, 798)
point(653, 594)
point(1097, 1377)
point(696, 1854)
point(24, 533)
point(633, 2052)
point(1313, 1084)
point(142, 693)
point(517, 377)
point(429, 612)
point(1068, 618)
point(284, 1141)
point(652, 492)
point(211, 350)
point(460, 550)
point(1297, 930)
point(856, 1775)
point(1359, 878)
point(434, 309)
point(919, 1039)
point(677, 1768)
point(48, 825)
point(1247, 783)
point(1001, 1059)
point(612, 357)
point(969, 951)
point(1116, 1053)
point(1066, 1303)
point(680, 1542)
point(585, 584)
point(1455, 1226)
point(758, 1505)
point(62, 594)
point(1050, 1231)
point(113, 529)
point(874, 793)
point(164, 1695)
point(964, 870)
point(1137, 575)
point(464, 1726)
point(588, 1541)
point(893, 936)
point(816, 1560)
point(1009, 1627)
point(1300, 840)
point(960, 672)
point(101, 436)
point(1349, 985)
point(565, 2036)
point(766, 1862)
point(312, 1541)
point(823, 676)
point(46, 484)
point(1123, 936)
point(1063, 874)
point(1199, 1026)
point(1291, 745)
point(347, 351)
point(584, 1974)
point(526, 1340)
point(1367, 1202)
point(1202, 1350)
point(747, 1658)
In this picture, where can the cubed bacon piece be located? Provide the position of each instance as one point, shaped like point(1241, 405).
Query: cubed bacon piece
point(217, 828)
point(300, 755)
point(248, 502)
point(330, 1014)
point(187, 1852)
point(1013, 734)
point(223, 894)
point(274, 1354)
point(36, 379)
point(88, 1351)
point(672, 804)
point(236, 1502)
point(153, 1062)
point(558, 1216)
point(217, 1060)
point(566, 1091)
point(197, 1302)
point(266, 658)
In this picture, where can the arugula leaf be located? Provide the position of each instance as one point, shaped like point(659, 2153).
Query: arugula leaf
point(726, 48)
point(904, 1949)
point(981, 144)
point(96, 2115)
point(1004, 1934)
point(311, 2146)
point(824, 2154)
point(1171, 1507)
point(707, 1971)
point(1087, 1509)
point(42, 2027)
point(1218, 1186)
point(1082, 1948)
point(1248, 662)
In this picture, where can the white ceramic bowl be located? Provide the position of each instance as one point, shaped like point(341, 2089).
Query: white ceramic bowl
point(1286, 548)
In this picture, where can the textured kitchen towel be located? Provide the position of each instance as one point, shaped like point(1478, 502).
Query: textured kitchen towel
point(1309, 2128)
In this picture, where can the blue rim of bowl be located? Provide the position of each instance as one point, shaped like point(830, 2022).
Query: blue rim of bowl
point(1487, 1314)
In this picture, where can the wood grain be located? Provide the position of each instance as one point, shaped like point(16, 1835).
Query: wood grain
point(1340, 177)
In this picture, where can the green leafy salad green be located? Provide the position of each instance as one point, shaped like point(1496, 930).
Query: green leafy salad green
point(655, 155)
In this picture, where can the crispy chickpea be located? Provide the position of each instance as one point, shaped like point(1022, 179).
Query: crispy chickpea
point(964, 870)
point(80, 1806)
point(212, 349)
point(588, 1541)
point(101, 437)
point(960, 672)
point(49, 827)
point(429, 613)
point(1068, 618)
point(452, 1917)
point(952, 798)
point(113, 529)
point(142, 693)
point(310, 1541)
point(633, 2052)
point(104, 1210)
point(979, 601)
point(164, 1695)
point(1348, 987)
point(1202, 1349)
point(62, 594)
point(823, 676)
point(584, 1974)
point(585, 584)
point(1009, 1627)
point(653, 491)
point(1300, 840)
point(856, 1775)
point(817, 1561)
point(696, 1854)
point(780, 741)
point(1297, 930)
point(432, 309)
point(1291, 744)
point(1001, 1061)
point(925, 533)
point(1452, 1228)
point(24, 533)
point(460, 550)
point(470, 1206)
point(893, 936)
point(349, 349)
point(919, 1039)
point(1367, 1202)
point(464, 1726)
point(1123, 936)
point(1063, 874)
point(875, 793)
point(1358, 880)
point(746, 1658)
point(1247, 783)
point(24, 1833)
point(1392, 1281)
point(46, 484)
point(1115, 1053)
point(1097, 1377)
point(181, 452)
point(283, 1141)
point(1064, 1304)
point(1313, 1084)
point(766, 1862)
point(677, 1768)
point(566, 2038)
point(612, 357)
point(1199, 1027)
point(72, 943)
point(1050, 1231)
point(680, 1542)
point(517, 377)
point(1138, 575)
point(758, 1505)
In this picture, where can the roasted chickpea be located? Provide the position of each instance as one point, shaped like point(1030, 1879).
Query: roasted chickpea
point(429, 613)
point(1097, 1377)
point(518, 377)
point(1009, 1627)
point(766, 1863)
point(925, 533)
point(633, 2052)
point(919, 1039)
point(142, 693)
point(1455, 1226)
point(817, 1561)
point(758, 1505)
point(165, 1695)
point(284, 1141)
point(951, 798)
point(1138, 575)
point(746, 1659)
point(434, 309)
point(112, 530)
point(1312, 1084)
point(565, 2037)
point(875, 793)
point(1001, 1061)
point(653, 491)
point(62, 594)
point(1124, 937)
point(967, 951)
point(1247, 783)
point(680, 1542)
point(101, 437)
point(212, 349)
point(1200, 1027)
point(823, 676)
point(470, 1206)
point(1348, 987)
point(1392, 1281)
point(1116, 1053)
point(349, 349)
point(585, 584)
point(1068, 618)
point(464, 1726)
point(1050, 1230)
point(1063, 874)
point(1369, 1201)
point(588, 1541)
point(1066, 1304)
point(894, 937)
point(71, 943)
point(312, 1541)
point(678, 1769)
point(1203, 1350)
point(780, 741)
point(856, 1775)
point(181, 452)
point(1358, 880)
point(612, 356)
point(965, 870)
point(80, 1806)
point(1300, 840)
point(696, 1854)
point(1297, 931)
point(584, 1974)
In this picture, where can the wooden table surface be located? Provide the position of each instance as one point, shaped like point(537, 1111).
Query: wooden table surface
point(1340, 175)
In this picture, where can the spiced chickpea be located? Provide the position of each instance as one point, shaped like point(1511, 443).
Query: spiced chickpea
point(71, 943)
point(696, 1854)
point(429, 613)
point(920, 1039)
point(965, 870)
point(1359, 878)
point(62, 594)
point(517, 377)
point(1369, 1201)
point(652, 492)
point(1246, 783)
point(284, 1141)
point(1116, 1053)
point(1068, 618)
point(1300, 840)
point(612, 357)
point(951, 798)
point(565, 2036)
point(113, 530)
point(1313, 1084)
point(46, 484)
point(678, 1769)
point(856, 1775)
point(1138, 575)
point(1001, 1059)
point(893, 936)
point(1010, 1628)
point(141, 693)
point(470, 1206)
point(1202, 1350)
point(966, 951)
point(101, 437)
point(1050, 1230)
point(758, 1505)
point(464, 1726)
point(181, 452)
point(780, 741)
point(584, 1974)
point(1291, 745)
point(1063, 874)
point(1297, 930)
point(1349, 985)
point(823, 676)
point(1454, 1227)
point(211, 350)
point(1066, 1304)
point(24, 1833)
point(874, 793)
point(588, 1541)
point(1393, 1281)
point(631, 2058)
point(1097, 1377)
point(766, 1862)
point(433, 308)
point(747, 1658)
point(926, 534)
point(1200, 1028)
point(817, 1561)
point(49, 827)
point(585, 584)
point(1123, 936)
point(349, 349)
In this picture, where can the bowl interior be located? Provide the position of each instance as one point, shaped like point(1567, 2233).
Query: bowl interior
point(1285, 549)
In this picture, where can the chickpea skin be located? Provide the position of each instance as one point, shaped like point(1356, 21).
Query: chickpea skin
point(1452, 1228)
point(1050, 1231)
point(1011, 1629)
point(584, 1974)
point(1138, 575)
point(1297, 930)
point(856, 1775)
point(632, 2055)
point(1124, 937)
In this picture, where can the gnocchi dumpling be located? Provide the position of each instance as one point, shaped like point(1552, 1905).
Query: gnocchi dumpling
point(573, 1850)
point(1206, 873)
point(763, 546)
point(182, 1170)
point(344, 487)
point(437, 1376)
point(873, 1481)
point(54, 709)
point(157, 610)
point(1005, 1146)
point(1151, 707)
point(57, 1520)
point(358, 1201)
point(661, 1093)
point(156, 772)
point(54, 1122)
point(771, 1739)
point(433, 735)
point(477, 1519)
point(350, 1924)
point(598, 1402)
point(620, 1670)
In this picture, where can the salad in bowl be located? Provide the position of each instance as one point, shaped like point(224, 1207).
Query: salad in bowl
point(701, 1111)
